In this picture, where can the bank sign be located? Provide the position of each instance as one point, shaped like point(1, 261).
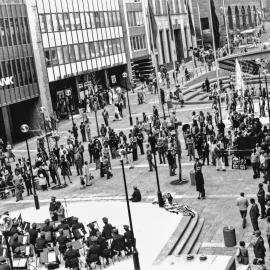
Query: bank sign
point(6, 81)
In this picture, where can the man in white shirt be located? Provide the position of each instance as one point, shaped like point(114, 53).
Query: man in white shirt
point(242, 204)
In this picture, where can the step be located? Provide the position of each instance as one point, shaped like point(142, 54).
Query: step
point(192, 94)
point(204, 96)
point(174, 239)
point(188, 233)
point(196, 248)
point(194, 237)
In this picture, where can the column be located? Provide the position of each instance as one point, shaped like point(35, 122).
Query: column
point(7, 123)
point(166, 46)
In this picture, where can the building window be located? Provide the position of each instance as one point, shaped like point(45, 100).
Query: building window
point(49, 23)
point(135, 18)
point(17, 27)
point(55, 23)
point(164, 6)
point(60, 56)
point(205, 23)
point(61, 22)
point(97, 20)
point(137, 43)
point(13, 31)
point(158, 7)
point(66, 21)
point(8, 32)
point(43, 24)
point(177, 7)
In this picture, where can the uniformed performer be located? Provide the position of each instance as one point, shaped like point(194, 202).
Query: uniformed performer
point(3, 264)
point(71, 257)
point(199, 179)
point(53, 209)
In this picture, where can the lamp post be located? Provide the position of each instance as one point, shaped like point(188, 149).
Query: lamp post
point(135, 252)
point(25, 130)
point(68, 94)
point(95, 109)
point(42, 110)
point(152, 142)
point(5, 226)
point(124, 75)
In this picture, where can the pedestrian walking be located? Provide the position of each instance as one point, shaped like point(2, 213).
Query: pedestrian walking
point(261, 199)
point(105, 115)
point(82, 129)
point(243, 204)
point(254, 214)
point(255, 162)
point(199, 179)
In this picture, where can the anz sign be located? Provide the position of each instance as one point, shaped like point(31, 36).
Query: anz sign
point(6, 81)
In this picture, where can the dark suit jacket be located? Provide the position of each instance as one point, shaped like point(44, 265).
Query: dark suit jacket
point(254, 212)
point(259, 249)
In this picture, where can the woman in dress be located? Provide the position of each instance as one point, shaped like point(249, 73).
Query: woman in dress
point(199, 179)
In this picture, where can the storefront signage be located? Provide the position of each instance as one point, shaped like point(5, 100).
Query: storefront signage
point(6, 81)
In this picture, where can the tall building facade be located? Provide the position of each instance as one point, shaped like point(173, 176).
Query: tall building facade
point(83, 45)
point(181, 30)
point(19, 86)
point(137, 39)
point(240, 15)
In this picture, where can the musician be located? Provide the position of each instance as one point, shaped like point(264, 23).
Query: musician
point(107, 229)
point(14, 229)
point(93, 231)
point(3, 264)
point(75, 227)
point(41, 243)
point(48, 228)
point(71, 257)
point(53, 209)
point(33, 234)
point(15, 242)
point(62, 241)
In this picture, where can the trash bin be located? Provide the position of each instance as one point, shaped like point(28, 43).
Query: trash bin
point(229, 236)
point(192, 178)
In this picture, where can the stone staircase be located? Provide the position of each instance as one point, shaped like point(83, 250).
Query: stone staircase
point(184, 239)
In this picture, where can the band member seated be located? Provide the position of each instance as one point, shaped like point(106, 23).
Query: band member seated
point(128, 239)
point(71, 257)
point(33, 234)
point(78, 229)
point(62, 241)
point(15, 242)
point(41, 243)
point(3, 264)
point(93, 253)
point(118, 243)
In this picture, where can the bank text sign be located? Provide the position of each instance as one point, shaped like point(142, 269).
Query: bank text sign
point(6, 81)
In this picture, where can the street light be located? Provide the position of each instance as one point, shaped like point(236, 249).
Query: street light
point(25, 130)
point(95, 110)
point(68, 94)
point(124, 75)
point(134, 252)
point(43, 110)
point(152, 141)
point(5, 226)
